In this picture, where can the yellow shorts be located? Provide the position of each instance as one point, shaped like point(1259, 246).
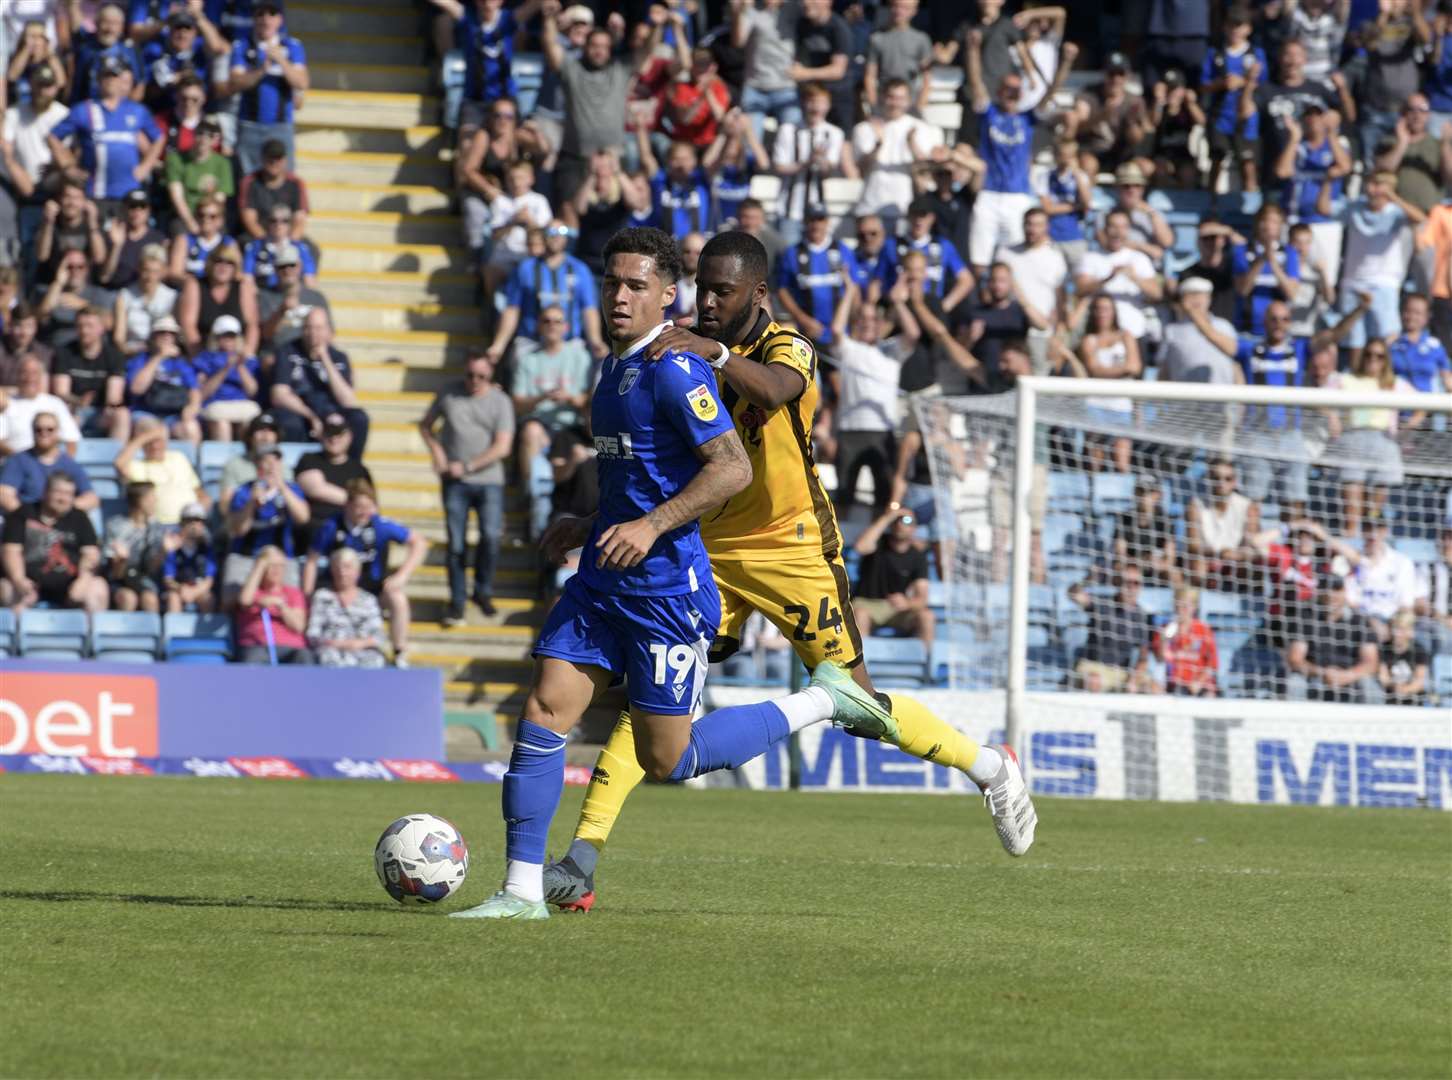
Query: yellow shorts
point(809, 600)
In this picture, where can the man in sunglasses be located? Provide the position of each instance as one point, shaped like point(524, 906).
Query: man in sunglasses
point(554, 279)
point(24, 476)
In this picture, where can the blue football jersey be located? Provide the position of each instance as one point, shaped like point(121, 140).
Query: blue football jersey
point(648, 417)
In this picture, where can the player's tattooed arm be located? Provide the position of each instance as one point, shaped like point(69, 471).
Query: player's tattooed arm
point(726, 470)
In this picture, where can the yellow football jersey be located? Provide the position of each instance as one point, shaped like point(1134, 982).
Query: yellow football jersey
point(785, 513)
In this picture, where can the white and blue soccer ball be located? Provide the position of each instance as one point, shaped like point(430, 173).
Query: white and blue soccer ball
point(421, 859)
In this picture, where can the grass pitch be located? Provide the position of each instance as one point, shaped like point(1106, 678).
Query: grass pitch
point(182, 927)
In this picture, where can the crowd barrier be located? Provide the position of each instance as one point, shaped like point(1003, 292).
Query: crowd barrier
point(96, 710)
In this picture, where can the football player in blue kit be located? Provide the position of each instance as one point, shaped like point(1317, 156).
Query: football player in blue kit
point(644, 605)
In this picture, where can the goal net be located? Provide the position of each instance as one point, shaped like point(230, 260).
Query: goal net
point(1157, 572)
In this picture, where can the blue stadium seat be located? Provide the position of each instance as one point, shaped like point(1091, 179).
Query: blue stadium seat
point(7, 632)
point(1039, 635)
point(215, 456)
point(292, 451)
point(53, 634)
point(1068, 492)
point(1058, 527)
point(96, 455)
point(1074, 638)
point(1157, 600)
point(107, 488)
point(1442, 678)
point(126, 637)
point(1419, 550)
point(1113, 493)
point(1041, 603)
point(188, 636)
point(1228, 648)
point(1224, 611)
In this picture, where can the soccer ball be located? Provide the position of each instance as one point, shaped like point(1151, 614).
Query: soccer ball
point(421, 859)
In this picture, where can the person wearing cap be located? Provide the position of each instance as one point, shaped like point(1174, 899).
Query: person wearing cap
point(25, 149)
point(1149, 232)
point(1331, 652)
point(1005, 144)
point(118, 141)
point(134, 550)
point(1198, 346)
point(108, 39)
point(242, 469)
point(1230, 75)
point(185, 48)
point(892, 578)
point(1110, 121)
point(548, 119)
point(199, 173)
point(324, 475)
point(998, 39)
point(189, 571)
point(556, 279)
point(259, 257)
point(228, 377)
point(270, 186)
point(128, 235)
point(816, 278)
point(1377, 254)
point(270, 75)
point(313, 379)
point(283, 310)
point(170, 470)
point(162, 384)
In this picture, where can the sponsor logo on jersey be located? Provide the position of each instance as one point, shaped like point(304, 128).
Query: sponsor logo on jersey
point(703, 403)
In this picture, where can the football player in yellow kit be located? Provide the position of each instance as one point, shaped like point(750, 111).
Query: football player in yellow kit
point(775, 548)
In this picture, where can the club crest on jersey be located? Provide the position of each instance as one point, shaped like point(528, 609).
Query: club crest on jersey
point(702, 402)
point(628, 380)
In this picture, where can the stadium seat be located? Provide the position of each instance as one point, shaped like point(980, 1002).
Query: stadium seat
point(1420, 550)
point(107, 488)
point(1157, 600)
point(1442, 679)
point(292, 451)
point(1068, 492)
point(1041, 603)
point(96, 455)
point(7, 632)
point(1224, 611)
point(1113, 493)
point(126, 637)
point(188, 636)
point(53, 634)
point(215, 456)
point(1058, 527)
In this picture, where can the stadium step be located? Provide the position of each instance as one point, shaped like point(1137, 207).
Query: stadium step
point(335, 47)
point(390, 377)
point(415, 168)
point(361, 108)
point(441, 287)
point(363, 317)
point(385, 78)
point(354, 257)
point(420, 354)
point(328, 137)
point(328, 226)
point(307, 20)
point(377, 198)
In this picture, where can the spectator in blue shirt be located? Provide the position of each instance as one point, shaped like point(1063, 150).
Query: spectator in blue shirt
point(816, 277)
point(108, 39)
point(186, 48)
point(162, 383)
point(268, 69)
point(1311, 165)
point(948, 279)
point(190, 567)
point(554, 279)
point(484, 31)
point(23, 478)
point(680, 193)
point(1064, 197)
point(361, 528)
point(120, 144)
point(259, 258)
point(1416, 354)
point(266, 512)
point(228, 381)
point(876, 259)
point(1264, 271)
point(1229, 77)
point(1273, 433)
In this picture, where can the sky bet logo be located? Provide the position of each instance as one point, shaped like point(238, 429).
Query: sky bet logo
point(78, 715)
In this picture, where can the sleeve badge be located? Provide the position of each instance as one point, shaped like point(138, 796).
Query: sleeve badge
point(702, 403)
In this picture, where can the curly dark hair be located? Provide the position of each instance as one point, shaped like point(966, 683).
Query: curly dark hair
point(747, 250)
point(660, 247)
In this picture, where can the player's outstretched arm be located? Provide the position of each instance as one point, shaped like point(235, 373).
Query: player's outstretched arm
point(726, 471)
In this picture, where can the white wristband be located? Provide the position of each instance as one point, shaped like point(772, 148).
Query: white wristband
point(721, 358)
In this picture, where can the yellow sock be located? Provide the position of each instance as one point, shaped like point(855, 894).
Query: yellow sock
point(616, 775)
point(925, 736)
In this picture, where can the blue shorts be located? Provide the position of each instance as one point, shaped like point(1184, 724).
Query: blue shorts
point(1383, 319)
point(656, 643)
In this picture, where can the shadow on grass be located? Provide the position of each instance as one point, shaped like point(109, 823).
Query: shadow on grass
point(276, 904)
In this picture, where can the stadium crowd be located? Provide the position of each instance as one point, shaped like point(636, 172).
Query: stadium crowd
point(1187, 191)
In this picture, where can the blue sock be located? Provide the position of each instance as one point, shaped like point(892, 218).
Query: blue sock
point(730, 737)
point(532, 788)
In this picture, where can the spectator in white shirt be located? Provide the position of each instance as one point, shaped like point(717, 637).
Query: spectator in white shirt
point(804, 155)
point(512, 214)
point(1040, 271)
point(1434, 598)
point(1382, 580)
point(18, 412)
point(868, 369)
point(1123, 273)
point(886, 147)
point(25, 150)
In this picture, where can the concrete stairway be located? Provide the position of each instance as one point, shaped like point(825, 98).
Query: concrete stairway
point(395, 270)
